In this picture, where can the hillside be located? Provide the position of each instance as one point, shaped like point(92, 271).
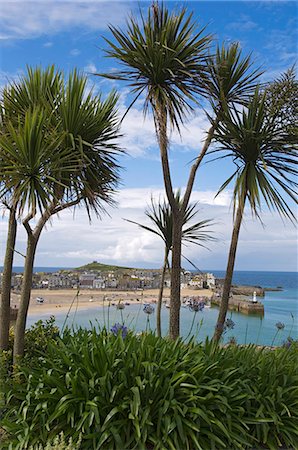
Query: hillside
point(102, 267)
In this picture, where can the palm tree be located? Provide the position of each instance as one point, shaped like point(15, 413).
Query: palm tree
point(14, 104)
point(160, 215)
point(165, 59)
point(265, 158)
point(30, 164)
point(87, 128)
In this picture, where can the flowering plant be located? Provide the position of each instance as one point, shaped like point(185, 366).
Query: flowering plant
point(117, 328)
point(196, 306)
point(148, 309)
point(229, 324)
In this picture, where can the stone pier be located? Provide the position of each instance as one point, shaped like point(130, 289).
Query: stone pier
point(241, 304)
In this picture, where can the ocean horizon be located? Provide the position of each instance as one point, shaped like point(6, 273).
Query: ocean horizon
point(220, 272)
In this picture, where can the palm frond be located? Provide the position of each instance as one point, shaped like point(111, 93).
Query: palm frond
point(160, 214)
point(83, 164)
point(266, 159)
point(164, 57)
point(232, 76)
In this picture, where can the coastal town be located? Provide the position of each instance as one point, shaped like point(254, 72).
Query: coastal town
point(100, 282)
point(115, 278)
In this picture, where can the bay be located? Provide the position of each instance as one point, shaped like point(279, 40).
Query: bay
point(281, 306)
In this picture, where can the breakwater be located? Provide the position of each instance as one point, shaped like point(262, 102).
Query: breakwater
point(241, 304)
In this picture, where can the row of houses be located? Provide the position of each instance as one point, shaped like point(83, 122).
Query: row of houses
point(131, 280)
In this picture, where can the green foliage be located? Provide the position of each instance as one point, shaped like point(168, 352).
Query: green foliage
point(265, 157)
point(232, 77)
point(282, 101)
point(58, 142)
point(161, 216)
point(37, 339)
point(102, 267)
point(143, 391)
point(163, 56)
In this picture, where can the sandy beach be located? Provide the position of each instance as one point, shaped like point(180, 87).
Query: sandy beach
point(60, 300)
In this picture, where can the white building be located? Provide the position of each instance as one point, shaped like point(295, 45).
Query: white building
point(99, 283)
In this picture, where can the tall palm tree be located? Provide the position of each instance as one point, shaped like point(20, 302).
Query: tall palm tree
point(41, 89)
point(164, 58)
point(87, 128)
point(30, 166)
point(266, 161)
point(160, 214)
point(168, 61)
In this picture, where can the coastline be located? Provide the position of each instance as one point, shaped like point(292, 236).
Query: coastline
point(59, 301)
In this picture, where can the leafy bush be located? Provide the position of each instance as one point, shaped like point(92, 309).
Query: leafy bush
point(146, 392)
point(37, 339)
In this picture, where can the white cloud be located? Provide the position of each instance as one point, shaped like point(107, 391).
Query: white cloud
point(48, 44)
point(8, 77)
point(22, 19)
point(243, 23)
point(71, 240)
point(90, 68)
point(139, 138)
point(75, 52)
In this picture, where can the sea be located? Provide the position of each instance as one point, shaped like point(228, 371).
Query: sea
point(280, 307)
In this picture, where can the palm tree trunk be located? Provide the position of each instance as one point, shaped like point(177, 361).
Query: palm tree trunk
point(161, 131)
point(229, 274)
point(19, 339)
point(6, 280)
point(159, 301)
point(33, 238)
point(175, 303)
point(199, 159)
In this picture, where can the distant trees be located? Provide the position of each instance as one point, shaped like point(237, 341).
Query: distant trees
point(60, 152)
point(160, 214)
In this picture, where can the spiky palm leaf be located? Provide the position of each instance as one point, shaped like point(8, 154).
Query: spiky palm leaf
point(88, 127)
point(161, 216)
point(92, 129)
point(232, 77)
point(30, 161)
point(164, 57)
point(266, 159)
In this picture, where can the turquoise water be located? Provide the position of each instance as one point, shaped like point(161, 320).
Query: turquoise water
point(279, 307)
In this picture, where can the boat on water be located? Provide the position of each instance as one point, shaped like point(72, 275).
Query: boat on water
point(39, 300)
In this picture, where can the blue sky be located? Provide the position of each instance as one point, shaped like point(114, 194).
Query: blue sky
point(70, 34)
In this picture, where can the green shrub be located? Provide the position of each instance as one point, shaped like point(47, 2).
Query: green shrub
point(145, 392)
point(37, 339)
